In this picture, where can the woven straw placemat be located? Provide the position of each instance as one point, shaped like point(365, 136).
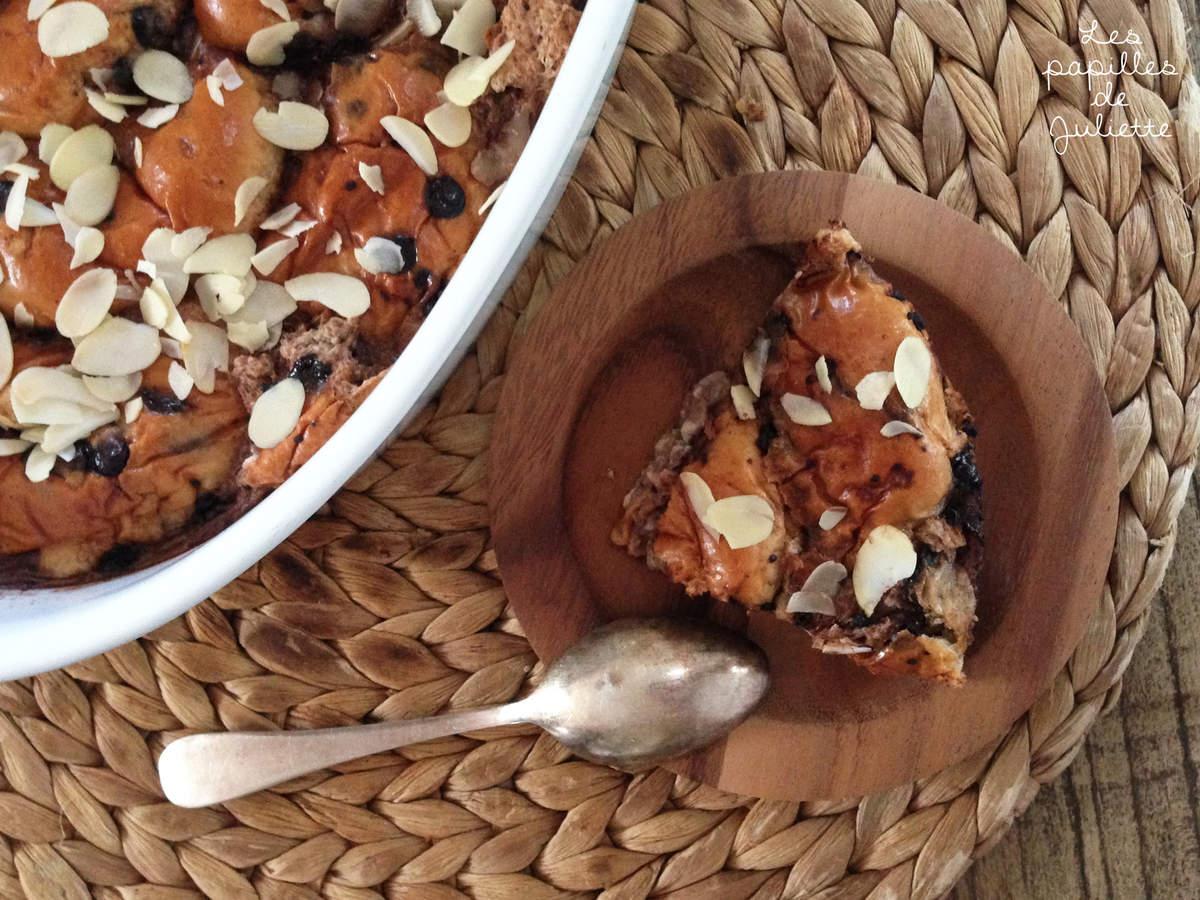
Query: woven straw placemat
point(389, 603)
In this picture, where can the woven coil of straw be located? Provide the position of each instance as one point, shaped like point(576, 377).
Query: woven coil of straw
point(389, 603)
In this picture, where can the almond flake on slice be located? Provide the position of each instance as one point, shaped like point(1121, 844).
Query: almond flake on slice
point(278, 7)
point(280, 217)
point(743, 520)
point(51, 139)
point(266, 46)
point(39, 463)
point(469, 80)
point(373, 176)
point(334, 244)
point(268, 302)
point(91, 196)
point(13, 446)
point(71, 28)
point(276, 413)
point(450, 124)
point(379, 256)
point(113, 112)
point(246, 194)
point(492, 198)
point(294, 126)
point(29, 172)
point(12, 149)
point(467, 31)
point(188, 241)
point(115, 389)
point(886, 558)
point(180, 381)
point(804, 410)
point(297, 227)
point(896, 427)
point(250, 336)
point(873, 389)
point(117, 347)
point(213, 85)
point(157, 116)
point(423, 14)
point(35, 385)
point(266, 260)
point(700, 498)
point(219, 294)
point(754, 360)
point(37, 215)
point(22, 317)
point(229, 254)
point(133, 409)
point(59, 437)
point(37, 9)
point(162, 76)
point(412, 140)
point(6, 353)
point(14, 206)
point(912, 367)
point(206, 354)
point(344, 294)
point(228, 74)
point(819, 589)
point(125, 99)
point(138, 152)
point(743, 401)
point(830, 519)
point(822, 370)
point(85, 303)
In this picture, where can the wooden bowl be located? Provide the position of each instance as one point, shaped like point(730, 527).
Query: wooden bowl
point(677, 293)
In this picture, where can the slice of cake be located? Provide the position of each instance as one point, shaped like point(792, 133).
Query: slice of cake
point(831, 480)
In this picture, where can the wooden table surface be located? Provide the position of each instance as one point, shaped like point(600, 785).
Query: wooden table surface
point(1124, 820)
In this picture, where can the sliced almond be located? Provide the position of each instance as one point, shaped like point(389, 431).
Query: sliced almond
point(700, 498)
point(896, 428)
point(213, 85)
point(280, 217)
point(205, 354)
point(17, 168)
point(821, 586)
point(469, 80)
point(227, 72)
point(91, 196)
point(117, 347)
point(85, 303)
point(412, 140)
point(138, 152)
point(268, 302)
point(37, 215)
point(250, 336)
point(51, 139)
point(294, 126)
point(133, 409)
point(6, 353)
point(467, 31)
point(229, 254)
point(804, 410)
point(266, 46)
point(372, 176)
point(162, 76)
point(71, 28)
point(450, 124)
point(113, 112)
point(22, 317)
point(116, 389)
point(822, 370)
point(334, 244)
point(155, 304)
point(125, 99)
point(39, 463)
point(754, 361)
point(36, 384)
point(13, 446)
point(158, 116)
point(743, 520)
point(188, 242)
point(492, 198)
point(886, 558)
point(266, 260)
point(830, 519)
point(743, 401)
point(297, 227)
point(14, 206)
point(423, 14)
point(361, 18)
point(379, 256)
point(275, 413)
point(278, 7)
point(59, 437)
point(912, 367)
point(180, 381)
point(344, 294)
point(12, 149)
point(219, 294)
point(246, 194)
point(873, 389)
point(37, 8)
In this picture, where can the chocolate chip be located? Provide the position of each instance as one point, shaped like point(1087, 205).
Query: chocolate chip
point(969, 428)
point(408, 250)
point(107, 455)
point(312, 371)
point(917, 320)
point(351, 185)
point(896, 295)
point(119, 558)
point(161, 403)
point(421, 279)
point(208, 504)
point(766, 433)
point(150, 28)
point(965, 471)
point(444, 197)
point(5, 190)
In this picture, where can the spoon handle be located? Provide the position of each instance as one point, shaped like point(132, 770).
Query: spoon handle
point(202, 769)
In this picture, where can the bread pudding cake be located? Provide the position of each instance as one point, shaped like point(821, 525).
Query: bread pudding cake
point(830, 481)
point(221, 224)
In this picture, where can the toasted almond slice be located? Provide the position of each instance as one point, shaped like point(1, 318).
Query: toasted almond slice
point(175, 327)
point(804, 410)
point(188, 242)
point(373, 176)
point(35, 384)
point(822, 370)
point(171, 348)
point(896, 427)
point(276, 413)
point(180, 381)
point(450, 124)
point(133, 409)
point(912, 368)
point(14, 206)
point(68, 454)
point(743, 520)
point(251, 336)
point(37, 8)
point(29, 172)
point(71, 28)
point(117, 347)
point(294, 126)
point(280, 217)
point(138, 152)
point(344, 294)
point(268, 302)
point(334, 244)
point(467, 31)
point(91, 196)
point(743, 401)
point(206, 354)
point(12, 149)
point(361, 18)
point(700, 498)
point(873, 389)
point(278, 7)
point(246, 194)
point(228, 74)
point(266, 260)
point(754, 360)
point(33, 435)
point(229, 254)
point(22, 317)
point(37, 215)
point(297, 227)
point(86, 303)
point(158, 116)
point(821, 586)
point(380, 256)
point(213, 85)
point(886, 558)
point(266, 46)
point(6, 353)
point(469, 80)
point(13, 446)
point(39, 463)
point(70, 228)
point(217, 290)
point(423, 14)
point(113, 112)
point(51, 139)
point(59, 437)
point(162, 76)
point(492, 198)
point(125, 99)
point(831, 517)
point(414, 141)
point(116, 389)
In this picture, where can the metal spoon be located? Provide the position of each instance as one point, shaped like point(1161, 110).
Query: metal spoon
point(631, 693)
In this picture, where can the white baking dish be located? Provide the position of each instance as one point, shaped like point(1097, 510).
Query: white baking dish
point(45, 629)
